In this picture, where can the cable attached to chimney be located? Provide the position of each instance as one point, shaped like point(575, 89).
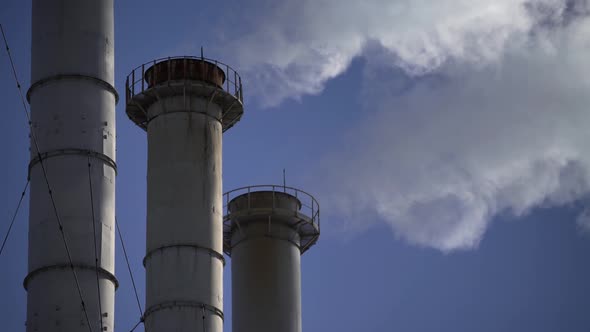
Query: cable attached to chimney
point(44, 170)
point(22, 196)
point(136, 325)
point(203, 308)
point(95, 245)
point(141, 319)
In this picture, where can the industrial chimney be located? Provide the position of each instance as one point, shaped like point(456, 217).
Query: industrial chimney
point(266, 230)
point(72, 168)
point(184, 104)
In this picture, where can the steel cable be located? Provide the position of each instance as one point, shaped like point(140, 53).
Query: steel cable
point(95, 245)
point(136, 325)
point(203, 309)
point(130, 274)
point(22, 196)
point(42, 164)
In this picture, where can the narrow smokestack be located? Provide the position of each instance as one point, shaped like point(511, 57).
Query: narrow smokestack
point(266, 229)
point(185, 104)
point(73, 119)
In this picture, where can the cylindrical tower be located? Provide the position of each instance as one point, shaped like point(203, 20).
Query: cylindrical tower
point(266, 230)
point(184, 103)
point(72, 102)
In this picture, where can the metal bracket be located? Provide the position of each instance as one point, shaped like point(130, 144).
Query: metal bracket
point(140, 107)
point(211, 99)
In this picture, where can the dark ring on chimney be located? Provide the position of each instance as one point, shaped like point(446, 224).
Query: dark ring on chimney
point(58, 77)
point(211, 252)
point(106, 274)
point(69, 152)
point(182, 111)
point(183, 304)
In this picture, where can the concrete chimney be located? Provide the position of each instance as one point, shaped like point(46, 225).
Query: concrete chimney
point(72, 102)
point(266, 230)
point(184, 104)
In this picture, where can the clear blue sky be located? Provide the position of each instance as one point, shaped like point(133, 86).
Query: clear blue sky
point(446, 142)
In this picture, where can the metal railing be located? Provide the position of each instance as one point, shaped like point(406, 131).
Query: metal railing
point(309, 205)
point(136, 82)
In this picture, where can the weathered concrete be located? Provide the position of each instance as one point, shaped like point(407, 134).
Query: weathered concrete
point(266, 279)
point(265, 245)
point(184, 265)
point(73, 117)
point(184, 110)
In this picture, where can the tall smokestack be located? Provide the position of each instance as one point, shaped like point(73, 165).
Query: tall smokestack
point(72, 102)
point(184, 104)
point(266, 230)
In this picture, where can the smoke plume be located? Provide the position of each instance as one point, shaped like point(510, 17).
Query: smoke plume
point(474, 108)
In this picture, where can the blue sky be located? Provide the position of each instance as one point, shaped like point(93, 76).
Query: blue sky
point(445, 140)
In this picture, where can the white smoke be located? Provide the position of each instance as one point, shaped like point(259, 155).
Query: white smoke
point(437, 162)
point(290, 48)
point(494, 117)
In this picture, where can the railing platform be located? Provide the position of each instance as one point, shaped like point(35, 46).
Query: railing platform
point(305, 217)
point(184, 76)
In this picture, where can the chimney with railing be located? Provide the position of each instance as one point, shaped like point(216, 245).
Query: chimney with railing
point(266, 230)
point(184, 104)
